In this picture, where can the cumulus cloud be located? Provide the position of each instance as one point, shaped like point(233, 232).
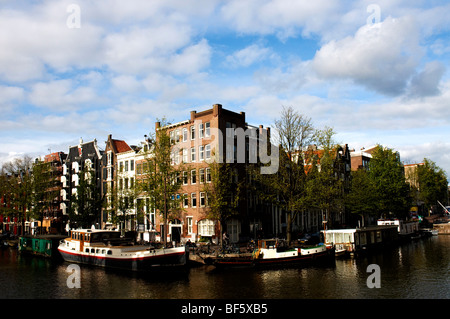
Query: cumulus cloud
point(381, 57)
point(280, 17)
point(426, 82)
point(61, 95)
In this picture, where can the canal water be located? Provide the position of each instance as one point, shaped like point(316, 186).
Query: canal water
point(416, 270)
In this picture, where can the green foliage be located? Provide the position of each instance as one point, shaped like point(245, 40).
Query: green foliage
point(16, 186)
point(161, 179)
point(361, 198)
point(45, 190)
point(432, 184)
point(223, 191)
point(386, 172)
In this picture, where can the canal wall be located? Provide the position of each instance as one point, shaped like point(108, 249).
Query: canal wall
point(443, 229)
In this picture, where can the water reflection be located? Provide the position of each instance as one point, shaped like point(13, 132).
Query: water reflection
point(416, 270)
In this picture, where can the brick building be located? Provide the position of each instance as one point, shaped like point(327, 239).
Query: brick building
point(360, 159)
point(213, 134)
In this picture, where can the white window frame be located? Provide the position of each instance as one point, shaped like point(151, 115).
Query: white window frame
point(207, 129)
point(201, 153)
point(193, 154)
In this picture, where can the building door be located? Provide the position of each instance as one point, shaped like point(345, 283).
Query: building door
point(175, 230)
point(233, 229)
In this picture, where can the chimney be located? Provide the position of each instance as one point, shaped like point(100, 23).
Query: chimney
point(157, 125)
point(193, 115)
point(217, 109)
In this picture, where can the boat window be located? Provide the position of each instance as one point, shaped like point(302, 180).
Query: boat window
point(87, 250)
point(97, 251)
point(103, 251)
point(92, 250)
point(109, 252)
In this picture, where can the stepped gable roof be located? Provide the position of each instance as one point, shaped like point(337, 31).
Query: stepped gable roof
point(84, 151)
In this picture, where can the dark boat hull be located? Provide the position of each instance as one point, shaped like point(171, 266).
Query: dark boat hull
point(324, 257)
point(170, 261)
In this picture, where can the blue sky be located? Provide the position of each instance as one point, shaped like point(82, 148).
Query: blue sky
point(376, 71)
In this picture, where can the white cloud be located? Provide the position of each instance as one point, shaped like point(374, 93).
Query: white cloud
point(39, 37)
point(61, 95)
point(280, 17)
point(381, 57)
point(252, 54)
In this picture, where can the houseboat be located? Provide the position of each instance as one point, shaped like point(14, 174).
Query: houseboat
point(406, 229)
point(272, 252)
point(357, 240)
point(41, 245)
point(106, 248)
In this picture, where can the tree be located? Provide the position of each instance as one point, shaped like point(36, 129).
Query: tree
point(325, 187)
point(17, 185)
point(45, 191)
point(223, 193)
point(87, 202)
point(432, 183)
point(162, 179)
point(287, 185)
point(361, 198)
point(386, 172)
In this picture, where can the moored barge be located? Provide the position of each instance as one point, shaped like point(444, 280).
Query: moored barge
point(270, 253)
point(41, 245)
point(106, 248)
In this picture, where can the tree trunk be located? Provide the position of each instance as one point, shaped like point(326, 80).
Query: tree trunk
point(289, 228)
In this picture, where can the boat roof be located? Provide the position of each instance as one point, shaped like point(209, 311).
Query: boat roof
point(89, 230)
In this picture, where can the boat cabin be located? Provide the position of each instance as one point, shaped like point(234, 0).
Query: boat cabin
point(93, 236)
point(357, 239)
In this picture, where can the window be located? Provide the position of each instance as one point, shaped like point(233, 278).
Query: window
point(172, 138)
point(208, 151)
point(132, 165)
point(201, 149)
point(185, 178)
point(193, 176)
point(177, 135)
point(201, 173)
point(192, 154)
point(121, 167)
point(207, 129)
point(185, 155)
point(193, 200)
point(185, 200)
point(109, 158)
point(202, 199)
point(192, 132)
point(206, 227)
point(126, 166)
point(200, 130)
point(185, 134)
point(208, 175)
point(189, 224)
